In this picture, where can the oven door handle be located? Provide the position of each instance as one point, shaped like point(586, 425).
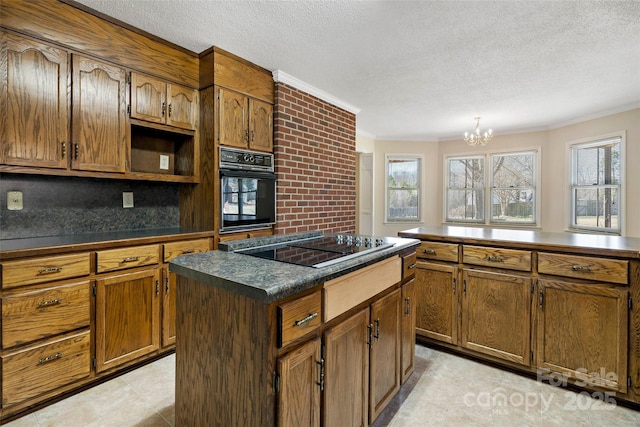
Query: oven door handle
point(247, 174)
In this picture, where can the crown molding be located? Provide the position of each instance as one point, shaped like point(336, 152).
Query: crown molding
point(282, 77)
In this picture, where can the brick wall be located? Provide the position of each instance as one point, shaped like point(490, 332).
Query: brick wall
point(315, 161)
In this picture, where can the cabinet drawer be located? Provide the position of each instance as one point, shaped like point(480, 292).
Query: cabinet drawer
point(119, 259)
point(511, 259)
point(408, 265)
point(345, 292)
point(438, 251)
point(175, 249)
point(35, 315)
point(30, 372)
point(583, 267)
point(298, 318)
point(40, 270)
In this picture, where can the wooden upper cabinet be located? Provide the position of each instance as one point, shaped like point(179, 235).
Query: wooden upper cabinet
point(157, 101)
point(244, 122)
point(99, 116)
point(34, 105)
point(260, 125)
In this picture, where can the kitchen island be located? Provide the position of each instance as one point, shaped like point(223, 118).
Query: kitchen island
point(261, 342)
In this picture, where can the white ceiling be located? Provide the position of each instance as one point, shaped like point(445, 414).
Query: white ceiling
point(422, 70)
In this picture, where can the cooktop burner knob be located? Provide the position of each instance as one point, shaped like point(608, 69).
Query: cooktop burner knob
point(379, 242)
point(358, 241)
point(340, 239)
point(349, 240)
point(367, 242)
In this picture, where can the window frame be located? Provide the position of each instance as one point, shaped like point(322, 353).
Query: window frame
point(419, 187)
point(572, 150)
point(488, 188)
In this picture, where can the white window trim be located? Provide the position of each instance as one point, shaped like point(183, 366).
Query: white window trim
point(623, 180)
point(487, 202)
point(404, 156)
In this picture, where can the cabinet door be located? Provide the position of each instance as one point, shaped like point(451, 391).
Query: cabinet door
point(127, 313)
point(260, 125)
point(437, 302)
point(183, 106)
point(384, 360)
point(233, 117)
point(496, 315)
point(99, 116)
point(34, 105)
point(169, 308)
point(408, 329)
point(346, 384)
point(300, 386)
point(148, 98)
point(582, 333)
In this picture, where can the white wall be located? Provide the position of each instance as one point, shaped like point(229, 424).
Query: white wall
point(553, 186)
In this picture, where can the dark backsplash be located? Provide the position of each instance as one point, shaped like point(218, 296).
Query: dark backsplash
point(68, 205)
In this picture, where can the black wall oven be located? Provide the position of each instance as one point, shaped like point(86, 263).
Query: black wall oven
point(247, 190)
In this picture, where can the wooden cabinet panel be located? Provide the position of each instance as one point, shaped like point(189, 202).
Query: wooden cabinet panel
point(512, 259)
point(29, 372)
point(175, 249)
point(127, 317)
point(99, 130)
point(119, 259)
point(232, 116)
point(408, 265)
point(438, 251)
point(408, 333)
point(44, 269)
point(583, 267)
point(299, 317)
point(300, 386)
point(148, 98)
point(33, 315)
point(385, 352)
point(437, 302)
point(582, 333)
point(347, 291)
point(168, 308)
point(260, 125)
point(34, 103)
point(347, 372)
point(496, 315)
point(183, 106)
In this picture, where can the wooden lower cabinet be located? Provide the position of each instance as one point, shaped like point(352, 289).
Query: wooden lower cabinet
point(127, 317)
point(437, 301)
point(496, 315)
point(168, 335)
point(408, 330)
point(582, 333)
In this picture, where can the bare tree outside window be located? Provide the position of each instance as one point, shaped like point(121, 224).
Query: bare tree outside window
point(513, 188)
point(465, 189)
point(403, 189)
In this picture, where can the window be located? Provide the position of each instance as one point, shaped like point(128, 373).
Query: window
point(403, 188)
point(511, 180)
point(596, 180)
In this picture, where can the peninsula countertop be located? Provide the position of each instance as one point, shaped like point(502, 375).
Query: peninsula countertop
point(267, 280)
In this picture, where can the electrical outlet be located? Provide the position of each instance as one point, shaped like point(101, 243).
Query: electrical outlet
point(14, 200)
point(164, 162)
point(127, 199)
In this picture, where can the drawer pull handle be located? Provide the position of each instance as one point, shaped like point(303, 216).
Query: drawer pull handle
point(48, 270)
point(131, 259)
point(581, 268)
point(412, 266)
point(493, 258)
point(188, 251)
point(309, 318)
point(49, 358)
point(429, 251)
point(49, 302)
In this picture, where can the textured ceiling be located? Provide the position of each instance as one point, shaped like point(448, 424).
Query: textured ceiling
point(422, 70)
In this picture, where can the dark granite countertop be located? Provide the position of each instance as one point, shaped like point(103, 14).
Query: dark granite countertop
point(10, 248)
point(588, 244)
point(268, 280)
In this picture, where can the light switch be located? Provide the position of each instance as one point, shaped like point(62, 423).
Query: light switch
point(14, 200)
point(127, 199)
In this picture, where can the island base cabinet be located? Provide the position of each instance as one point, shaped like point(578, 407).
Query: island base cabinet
point(437, 312)
point(301, 381)
point(346, 381)
point(496, 315)
point(582, 334)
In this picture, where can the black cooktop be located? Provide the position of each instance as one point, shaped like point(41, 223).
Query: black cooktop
point(321, 251)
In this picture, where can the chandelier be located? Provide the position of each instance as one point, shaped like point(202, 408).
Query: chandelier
point(474, 138)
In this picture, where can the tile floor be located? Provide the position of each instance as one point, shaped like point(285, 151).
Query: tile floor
point(445, 390)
